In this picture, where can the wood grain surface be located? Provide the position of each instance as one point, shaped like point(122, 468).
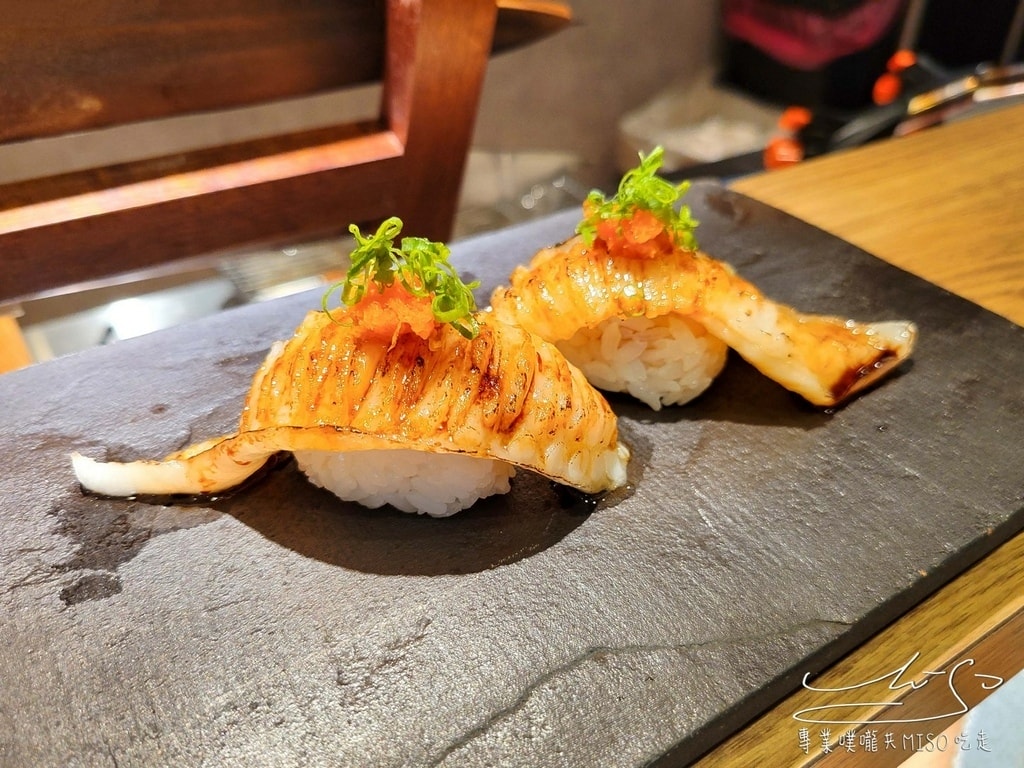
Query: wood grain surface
point(75, 66)
point(944, 204)
point(939, 629)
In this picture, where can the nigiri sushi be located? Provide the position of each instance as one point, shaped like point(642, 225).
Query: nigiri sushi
point(633, 302)
point(403, 395)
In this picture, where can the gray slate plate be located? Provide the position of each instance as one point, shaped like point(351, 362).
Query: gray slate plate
point(760, 539)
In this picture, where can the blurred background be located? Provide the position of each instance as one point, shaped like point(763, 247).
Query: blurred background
point(709, 81)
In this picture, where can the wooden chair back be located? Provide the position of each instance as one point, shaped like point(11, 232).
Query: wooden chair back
point(71, 67)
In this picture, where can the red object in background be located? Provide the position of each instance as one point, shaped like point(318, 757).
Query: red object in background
point(889, 84)
point(805, 39)
point(787, 148)
point(782, 151)
point(901, 60)
point(795, 118)
point(887, 88)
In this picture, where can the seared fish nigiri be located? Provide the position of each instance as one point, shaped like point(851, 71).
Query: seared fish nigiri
point(384, 403)
point(634, 304)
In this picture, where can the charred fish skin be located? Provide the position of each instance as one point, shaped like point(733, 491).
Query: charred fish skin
point(824, 359)
point(504, 395)
point(635, 255)
point(406, 367)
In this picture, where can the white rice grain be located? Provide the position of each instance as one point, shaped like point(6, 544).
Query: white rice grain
point(668, 360)
point(437, 484)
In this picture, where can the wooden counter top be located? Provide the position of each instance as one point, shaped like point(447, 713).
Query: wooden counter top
point(944, 204)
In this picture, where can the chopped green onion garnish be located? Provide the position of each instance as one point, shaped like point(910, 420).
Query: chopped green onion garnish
point(642, 189)
point(420, 266)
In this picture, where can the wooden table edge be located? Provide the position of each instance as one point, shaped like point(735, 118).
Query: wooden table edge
point(965, 609)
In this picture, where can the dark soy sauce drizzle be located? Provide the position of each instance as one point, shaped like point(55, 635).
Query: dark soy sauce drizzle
point(574, 500)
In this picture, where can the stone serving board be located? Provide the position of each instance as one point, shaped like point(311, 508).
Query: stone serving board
point(759, 539)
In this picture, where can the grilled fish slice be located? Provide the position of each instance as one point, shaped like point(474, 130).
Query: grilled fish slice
point(824, 359)
point(504, 395)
